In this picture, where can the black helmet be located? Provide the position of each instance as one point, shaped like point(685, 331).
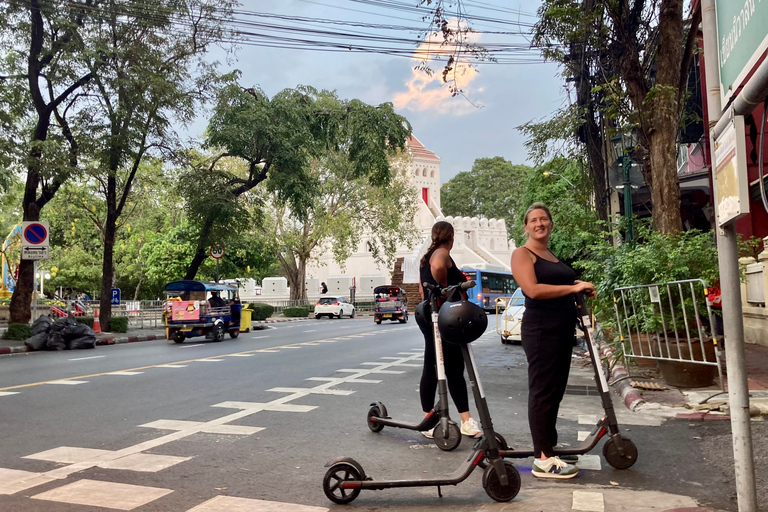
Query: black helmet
point(422, 314)
point(461, 322)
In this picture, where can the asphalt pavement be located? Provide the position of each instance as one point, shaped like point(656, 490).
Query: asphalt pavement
point(250, 423)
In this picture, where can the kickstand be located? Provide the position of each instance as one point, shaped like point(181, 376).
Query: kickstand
point(439, 494)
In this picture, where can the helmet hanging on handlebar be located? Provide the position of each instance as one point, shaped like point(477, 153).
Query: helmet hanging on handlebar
point(461, 322)
point(422, 313)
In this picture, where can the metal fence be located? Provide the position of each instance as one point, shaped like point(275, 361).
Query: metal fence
point(668, 322)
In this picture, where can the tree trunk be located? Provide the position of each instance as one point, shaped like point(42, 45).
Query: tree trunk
point(665, 193)
point(201, 252)
point(21, 300)
point(108, 266)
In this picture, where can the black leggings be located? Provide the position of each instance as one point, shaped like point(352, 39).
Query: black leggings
point(548, 343)
point(454, 374)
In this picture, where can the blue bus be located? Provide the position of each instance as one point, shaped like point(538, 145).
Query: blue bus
point(490, 285)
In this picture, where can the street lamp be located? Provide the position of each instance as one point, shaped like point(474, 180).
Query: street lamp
point(42, 276)
point(623, 146)
point(549, 173)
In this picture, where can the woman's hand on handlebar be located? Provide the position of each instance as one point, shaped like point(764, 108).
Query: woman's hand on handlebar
point(584, 287)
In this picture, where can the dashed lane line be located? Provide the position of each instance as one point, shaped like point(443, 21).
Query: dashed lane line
point(86, 358)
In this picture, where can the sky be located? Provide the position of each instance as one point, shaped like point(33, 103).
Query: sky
point(509, 94)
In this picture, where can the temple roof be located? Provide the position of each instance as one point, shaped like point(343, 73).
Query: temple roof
point(418, 150)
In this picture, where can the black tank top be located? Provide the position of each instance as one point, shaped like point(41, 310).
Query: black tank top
point(455, 276)
point(550, 272)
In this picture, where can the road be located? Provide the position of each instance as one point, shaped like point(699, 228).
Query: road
point(248, 424)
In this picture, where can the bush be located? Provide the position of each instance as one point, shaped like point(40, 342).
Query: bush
point(87, 320)
point(18, 332)
point(119, 324)
point(260, 310)
point(296, 312)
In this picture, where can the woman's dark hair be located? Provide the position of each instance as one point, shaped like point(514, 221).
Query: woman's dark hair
point(442, 232)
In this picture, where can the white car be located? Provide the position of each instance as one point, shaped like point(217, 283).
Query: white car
point(334, 306)
point(511, 320)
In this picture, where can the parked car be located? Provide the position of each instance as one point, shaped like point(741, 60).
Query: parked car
point(334, 306)
point(508, 323)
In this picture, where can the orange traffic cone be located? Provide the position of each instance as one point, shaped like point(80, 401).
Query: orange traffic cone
point(96, 323)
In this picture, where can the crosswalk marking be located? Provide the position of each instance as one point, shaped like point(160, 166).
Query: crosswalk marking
point(235, 504)
point(96, 493)
point(67, 454)
point(588, 501)
point(144, 462)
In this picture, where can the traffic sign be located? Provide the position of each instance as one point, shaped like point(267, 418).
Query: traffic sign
point(115, 296)
point(34, 253)
point(34, 240)
point(216, 251)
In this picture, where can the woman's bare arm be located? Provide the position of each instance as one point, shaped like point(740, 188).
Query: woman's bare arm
point(522, 270)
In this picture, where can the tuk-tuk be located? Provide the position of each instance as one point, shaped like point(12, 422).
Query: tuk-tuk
point(201, 308)
point(390, 303)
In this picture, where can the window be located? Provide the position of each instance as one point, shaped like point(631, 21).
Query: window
point(424, 173)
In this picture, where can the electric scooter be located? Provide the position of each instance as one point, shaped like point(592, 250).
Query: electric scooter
point(447, 434)
point(619, 451)
point(345, 477)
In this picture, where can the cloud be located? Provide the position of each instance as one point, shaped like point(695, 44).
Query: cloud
point(425, 92)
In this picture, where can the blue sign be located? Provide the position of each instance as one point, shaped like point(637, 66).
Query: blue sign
point(115, 296)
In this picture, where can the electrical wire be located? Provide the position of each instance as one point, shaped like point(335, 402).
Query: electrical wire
point(760, 157)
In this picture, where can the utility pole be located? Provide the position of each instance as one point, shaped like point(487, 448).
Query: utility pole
point(733, 319)
point(626, 166)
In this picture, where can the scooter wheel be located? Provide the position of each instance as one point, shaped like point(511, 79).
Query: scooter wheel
point(333, 479)
point(375, 426)
point(611, 453)
point(502, 446)
point(493, 487)
point(447, 443)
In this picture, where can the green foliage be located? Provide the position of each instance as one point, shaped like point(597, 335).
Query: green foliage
point(118, 324)
point(17, 332)
point(492, 189)
point(260, 310)
point(87, 320)
point(654, 258)
point(296, 312)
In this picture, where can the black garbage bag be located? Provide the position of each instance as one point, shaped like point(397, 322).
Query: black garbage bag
point(83, 342)
point(56, 340)
point(37, 341)
point(41, 325)
point(62, 323)
point(77, 330)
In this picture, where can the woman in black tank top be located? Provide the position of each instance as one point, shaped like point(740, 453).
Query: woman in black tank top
point(548, 327)
point(438, 268)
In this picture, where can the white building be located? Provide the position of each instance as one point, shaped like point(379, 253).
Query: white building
point(477, 242)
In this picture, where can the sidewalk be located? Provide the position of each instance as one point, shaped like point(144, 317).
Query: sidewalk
point(132, 336)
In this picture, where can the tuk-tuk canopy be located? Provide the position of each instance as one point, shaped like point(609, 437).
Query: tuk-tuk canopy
point(198, 286)
point(389, 290)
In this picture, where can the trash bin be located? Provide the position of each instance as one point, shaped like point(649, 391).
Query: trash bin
point(245, 320)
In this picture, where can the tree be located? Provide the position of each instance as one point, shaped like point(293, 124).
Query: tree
point(279, 138)
point(42, 79)
point(141, 80)
point(639, 53)
point(492, 189)
point(344, 210)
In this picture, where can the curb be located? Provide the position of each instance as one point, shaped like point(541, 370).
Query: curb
point(619, 378)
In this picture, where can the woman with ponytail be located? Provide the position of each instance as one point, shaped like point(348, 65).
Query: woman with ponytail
point(438, 268)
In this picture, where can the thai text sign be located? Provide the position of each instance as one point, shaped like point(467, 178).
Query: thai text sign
point(741, 39)
point(185, 310)
point(731, 189)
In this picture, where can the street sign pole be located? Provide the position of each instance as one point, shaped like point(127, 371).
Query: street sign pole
point(216, 252)
point(217, 270)
point(733, 319)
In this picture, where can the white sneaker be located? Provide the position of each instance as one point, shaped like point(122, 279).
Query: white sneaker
point(470, 428)
point(429, 434)
point(553, 467)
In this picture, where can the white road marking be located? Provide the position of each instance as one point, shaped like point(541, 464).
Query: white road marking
point(96, 493)
point(198, 345)
point(583, 434)
point(125, 373)
point(589, 501)
point(67, 454)
point(192, 427)
point(591, 462)
point(6, 393)
point(258, 337)
point(338, 392)
point(311, 330)
point(240, 355)
point(86, 358)
point(291, 347)
point(234, 504)
point(171, 366)
point(587, 419)
point(209, 360)
point(67, 382)
point(268, 351)
point(144, 462)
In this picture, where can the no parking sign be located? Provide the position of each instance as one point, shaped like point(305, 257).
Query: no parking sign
point(34, 240)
